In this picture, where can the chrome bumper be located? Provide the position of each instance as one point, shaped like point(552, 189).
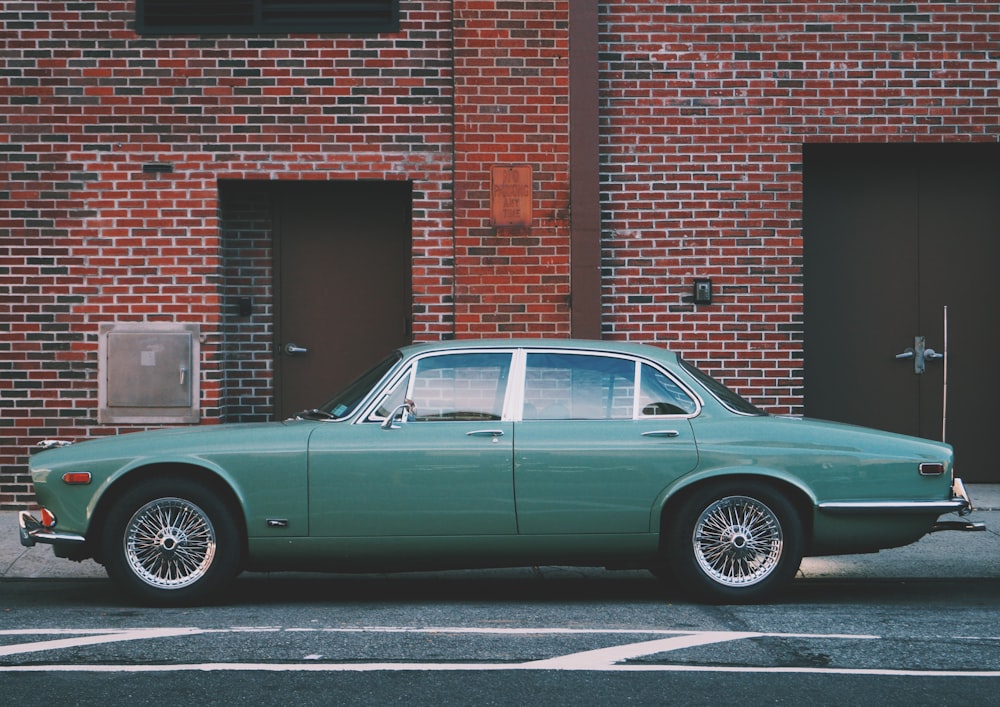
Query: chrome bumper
point(958, 503)
point(959, 493)
point(32, 531)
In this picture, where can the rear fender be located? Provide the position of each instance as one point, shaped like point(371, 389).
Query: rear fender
point(674, 496)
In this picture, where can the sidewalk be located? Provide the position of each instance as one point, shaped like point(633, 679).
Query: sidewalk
point(944, 554)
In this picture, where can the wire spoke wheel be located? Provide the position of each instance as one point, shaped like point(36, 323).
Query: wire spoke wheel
point(169, 543)
point(738, 541)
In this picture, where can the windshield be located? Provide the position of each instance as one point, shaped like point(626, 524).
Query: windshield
point(727, 397)
point(347, 401)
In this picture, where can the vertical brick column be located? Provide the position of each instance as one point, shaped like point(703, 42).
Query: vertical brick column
point(511, 108)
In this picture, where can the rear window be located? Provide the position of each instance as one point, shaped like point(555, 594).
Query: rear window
point(724, 395)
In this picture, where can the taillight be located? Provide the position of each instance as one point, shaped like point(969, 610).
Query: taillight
point(931, 469)
point(48, 518)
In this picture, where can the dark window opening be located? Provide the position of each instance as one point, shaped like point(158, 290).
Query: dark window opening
point(266, 16)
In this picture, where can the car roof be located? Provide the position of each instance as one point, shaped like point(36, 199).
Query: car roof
point(595, 346)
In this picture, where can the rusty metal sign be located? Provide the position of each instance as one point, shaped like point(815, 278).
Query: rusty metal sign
point(510, 195)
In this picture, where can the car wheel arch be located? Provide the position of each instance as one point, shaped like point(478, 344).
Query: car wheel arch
point(801, 500)
point(139, 475)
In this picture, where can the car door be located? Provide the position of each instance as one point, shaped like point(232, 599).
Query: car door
point(591, 455)
point(446, 470)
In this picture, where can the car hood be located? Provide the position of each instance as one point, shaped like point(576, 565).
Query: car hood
point(185, 441)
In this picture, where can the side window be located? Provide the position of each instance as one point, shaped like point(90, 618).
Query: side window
point(466, 386)
point(578, 387)
point(660, 395)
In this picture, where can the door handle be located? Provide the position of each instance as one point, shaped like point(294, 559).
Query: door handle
point(661, 433)
point(920, 353)
point(495, 434)
point(295, 349)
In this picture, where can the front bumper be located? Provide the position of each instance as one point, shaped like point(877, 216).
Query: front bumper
point(32, 531)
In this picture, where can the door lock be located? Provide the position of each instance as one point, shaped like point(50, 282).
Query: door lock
point(920, 353)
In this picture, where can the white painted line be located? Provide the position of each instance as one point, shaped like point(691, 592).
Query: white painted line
point(606, 657)
point(95, 639)
point(561, 631)
point(610, 659)
point(56, 631)
point(482, 667)
point(443, 630)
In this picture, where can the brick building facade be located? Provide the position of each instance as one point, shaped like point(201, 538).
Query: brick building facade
point(138, 171)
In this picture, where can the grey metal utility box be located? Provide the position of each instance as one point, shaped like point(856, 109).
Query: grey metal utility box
point(149, 372)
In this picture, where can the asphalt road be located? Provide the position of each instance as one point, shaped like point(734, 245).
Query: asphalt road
point(915, 626)
point(510, 637)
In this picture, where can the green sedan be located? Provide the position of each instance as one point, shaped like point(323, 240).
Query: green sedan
point(471, 454)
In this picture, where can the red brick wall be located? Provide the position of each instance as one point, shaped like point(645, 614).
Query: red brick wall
point(704, 109)
point(705, 106)
point(89, 237)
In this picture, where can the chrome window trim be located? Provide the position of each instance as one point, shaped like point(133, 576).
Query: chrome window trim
point(698, 402)
point(513, 407)
point(637, 361)
point(406, 366)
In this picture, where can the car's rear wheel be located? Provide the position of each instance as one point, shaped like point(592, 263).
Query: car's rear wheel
point(171, 542)
point(734, 542)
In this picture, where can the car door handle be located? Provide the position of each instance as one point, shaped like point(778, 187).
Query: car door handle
point(485, 433)
point(661, 433)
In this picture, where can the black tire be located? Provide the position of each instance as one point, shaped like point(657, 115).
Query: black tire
point(171, 542)
point(734, 542)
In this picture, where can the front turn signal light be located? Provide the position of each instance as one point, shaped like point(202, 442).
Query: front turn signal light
point(48, 518)
point(75, 478)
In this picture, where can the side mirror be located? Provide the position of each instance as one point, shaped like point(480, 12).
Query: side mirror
point(400, 415)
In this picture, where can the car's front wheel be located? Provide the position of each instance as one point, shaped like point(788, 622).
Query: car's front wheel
point(171, 542)
point(734, 542)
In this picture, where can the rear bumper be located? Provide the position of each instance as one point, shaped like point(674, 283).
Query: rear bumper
point(32, 532)
point(959, 493)
point(958, 503)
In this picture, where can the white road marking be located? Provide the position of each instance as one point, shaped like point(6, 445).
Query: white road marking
point(560, 631)
point(608, 657)
point(94, 638)
point(601, 659)
point(472, 667)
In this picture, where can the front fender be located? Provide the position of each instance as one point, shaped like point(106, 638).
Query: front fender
point(263, 466)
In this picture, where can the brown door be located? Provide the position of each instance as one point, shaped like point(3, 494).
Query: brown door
point(893, 235)
point(342, 254)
